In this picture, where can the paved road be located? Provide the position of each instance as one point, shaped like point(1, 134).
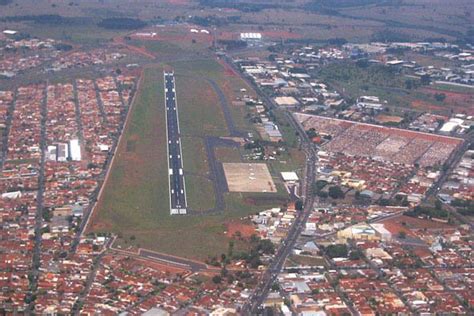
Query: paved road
point(173, 261)
point(233, 130)
point(36, 264)
point(270, 276)
point(175, 161)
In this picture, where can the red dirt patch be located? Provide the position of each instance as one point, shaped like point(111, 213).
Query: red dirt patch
point(140, 50)
point(246, 230)
point(412, 223)
point(458, 101)
point(228, 71)
point(98, 226)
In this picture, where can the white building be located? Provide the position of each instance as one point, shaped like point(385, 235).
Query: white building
point(251, 36)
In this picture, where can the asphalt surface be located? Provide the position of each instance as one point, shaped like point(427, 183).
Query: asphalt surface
point(173, 261)
point(178, 203)
point(233, 130)
point(39, 200)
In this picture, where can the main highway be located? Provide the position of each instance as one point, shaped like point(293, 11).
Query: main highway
point(177, 184)
point(271, 274)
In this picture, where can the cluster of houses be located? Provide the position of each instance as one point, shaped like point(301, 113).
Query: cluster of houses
point(139, 287)
point(460, 184)
point(264, 124)
point(57, 141)
point(19, 54)
point(275, 223)
point(462, 73)
point(290, 78)
point(372, 260)
point(78, 59)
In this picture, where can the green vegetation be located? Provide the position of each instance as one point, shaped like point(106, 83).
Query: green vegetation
point(337, 251)
point(245, 6)
point(84, 33)
point(389, 36)
point(304, 260)
point(464, 207)
point(453, 88)
point(318, 186)
point(358, 79)
point(194, 155)
point(200, 193)
point(48, 19)
point(258, 247)
point(200, 113)
point(157, 47)
point(430, 212)
point(335, 192)
point(121, 24)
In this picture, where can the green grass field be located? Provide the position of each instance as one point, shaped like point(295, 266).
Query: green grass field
point(79, 34)
point(453, 88)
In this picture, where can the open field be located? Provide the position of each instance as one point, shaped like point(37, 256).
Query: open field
point(138, 189)
point(84, 34)
point(200, 193)
point(289, 20)
point(387, 85)
point(194, 156)
point(225, 154)
point(296, 260)
point(248, 177)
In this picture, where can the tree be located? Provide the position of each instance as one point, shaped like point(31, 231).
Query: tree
point(216, 279)
point(335, 192)
point(318, 186)
point(275, 287)
point(402, 235)
point(337, 251)
point(409, 84)
point(356, 254)
point(357, 195)
point(299, 205)
point(322, 194)
point(311, 133)
point(425, 80)
point(440, 97)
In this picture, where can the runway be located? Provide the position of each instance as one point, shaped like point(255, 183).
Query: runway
point(177, 186)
